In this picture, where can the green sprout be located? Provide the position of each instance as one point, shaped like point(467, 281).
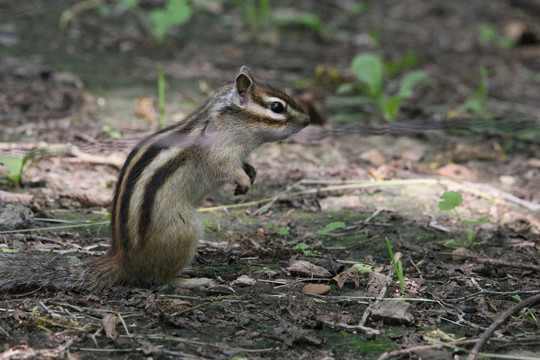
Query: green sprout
point(374, 74)
point(398, 267)
point(450, 200)
point(15, 166)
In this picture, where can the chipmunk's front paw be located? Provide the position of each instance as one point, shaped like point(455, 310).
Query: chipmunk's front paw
point(241, 190)
point(243, 184)
point(250, 171)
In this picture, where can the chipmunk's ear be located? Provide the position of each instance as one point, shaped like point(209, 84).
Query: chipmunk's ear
point(244, 81)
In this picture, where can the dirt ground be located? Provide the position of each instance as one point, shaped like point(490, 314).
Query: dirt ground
point(286, 285)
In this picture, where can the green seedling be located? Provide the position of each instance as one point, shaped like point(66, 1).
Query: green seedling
point(255, 14)
point(331, 227)
point(156, 22)
point(109, 129)
point(398, 267)
point(477, 104)
point(15, 166)
point(161, 97)
point(449, 201)
point(305, 19)
point(488, 36)
point(374, 74)
point(285, 231)
point(175, 13)
point(363, 269)
point(527, 313)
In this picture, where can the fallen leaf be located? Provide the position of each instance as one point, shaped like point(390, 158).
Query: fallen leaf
point(375, 284)
point(306, 268)
point(351, 274)
point(532, 162)
point(338, 203)
point(243, 281)
point(455, 171)
point(413, 155)
point(373, 157)
point(456, 254)
point(109, 325)
point(317, 289)
point(144, 108)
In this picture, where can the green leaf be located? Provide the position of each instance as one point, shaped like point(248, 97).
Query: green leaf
point(363, 269)
point(480, 221)
point(409, 81)
point(281, 230)
point(331, 227)
point(302, 247)
point(450, 200)
point(308, 20)
point(486, 33)
point(368, 68)
point(176, 13)
point(14, 166)
point(344, 88)
point(390, 108)
point(409, 61)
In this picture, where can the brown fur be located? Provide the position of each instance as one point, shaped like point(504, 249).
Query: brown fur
point(155, 226)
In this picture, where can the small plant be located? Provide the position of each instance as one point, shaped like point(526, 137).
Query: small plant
point(478, 103)
point(285, 231)
point(374, 74)
point(175, 13)
point(331, 227)
point(255, 14)
point(109, 129)
point(487, 37)
point(398, 267)
point(157, 22)
point(450, 200)
point(527, 313)
point(16, 166)
point(161, 97)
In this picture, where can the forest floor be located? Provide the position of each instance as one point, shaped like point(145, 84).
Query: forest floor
point(325, 200)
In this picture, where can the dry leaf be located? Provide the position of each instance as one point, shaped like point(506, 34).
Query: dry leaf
point(338, 203)
point(351, 274)
point(244, 280)
point(374, 157)
point(413, 155)
point(306, 268)
point(375, 284)
point(532, 162)
point(144, 108)
point(109, 325)
point(455, 171)
point(317, 289)
point(456, 254)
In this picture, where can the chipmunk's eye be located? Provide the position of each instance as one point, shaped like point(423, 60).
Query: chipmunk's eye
point(277, 107)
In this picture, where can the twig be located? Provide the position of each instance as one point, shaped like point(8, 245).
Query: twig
point(533, 300)
point(364, 329)
point(391, 354)
point(489, 292)
point(125, 326)
point(516, 264)
point(381, 296)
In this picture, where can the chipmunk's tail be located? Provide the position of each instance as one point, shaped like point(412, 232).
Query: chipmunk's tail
point(24, 271)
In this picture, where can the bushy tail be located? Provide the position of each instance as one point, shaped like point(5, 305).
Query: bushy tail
point(23, 271)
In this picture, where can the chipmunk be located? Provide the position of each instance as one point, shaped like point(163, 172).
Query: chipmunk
point(155, 225)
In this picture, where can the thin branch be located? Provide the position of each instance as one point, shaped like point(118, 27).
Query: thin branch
point(533, 300)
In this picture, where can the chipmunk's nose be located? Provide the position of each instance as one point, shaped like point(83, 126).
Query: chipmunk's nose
point(307, 121)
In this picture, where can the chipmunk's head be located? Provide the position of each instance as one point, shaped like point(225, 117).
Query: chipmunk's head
point(260, 110)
